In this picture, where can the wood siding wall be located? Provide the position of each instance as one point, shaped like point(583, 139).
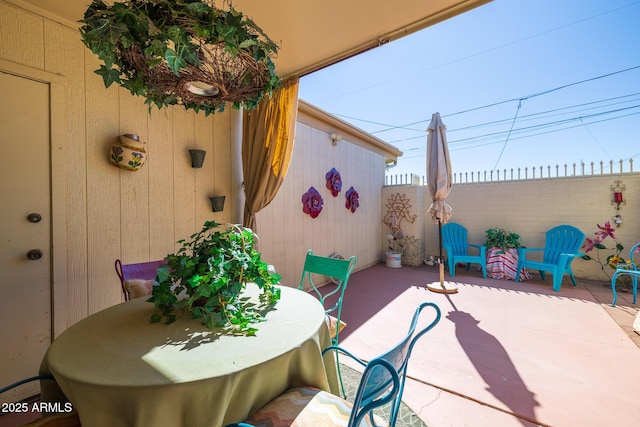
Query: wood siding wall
point(287, 233)
point(111, 213)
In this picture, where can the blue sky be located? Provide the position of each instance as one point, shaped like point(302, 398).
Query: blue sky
point(519, 83)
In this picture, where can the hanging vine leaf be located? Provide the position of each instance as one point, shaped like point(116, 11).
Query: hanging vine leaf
point(181, 52)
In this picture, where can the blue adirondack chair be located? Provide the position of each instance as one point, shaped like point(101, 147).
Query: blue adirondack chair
point(382, 384)
point(454, 240)
point(561, 247)
point(630, 269)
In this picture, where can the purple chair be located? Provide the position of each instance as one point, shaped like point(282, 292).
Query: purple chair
point(140, 271)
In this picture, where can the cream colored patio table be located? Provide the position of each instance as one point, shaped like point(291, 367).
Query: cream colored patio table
point(118, 369)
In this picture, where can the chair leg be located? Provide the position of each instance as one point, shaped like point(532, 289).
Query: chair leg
point(634, 281)
point(452, 267)
point(557, 281)
point(613, 289)
point(344, 393)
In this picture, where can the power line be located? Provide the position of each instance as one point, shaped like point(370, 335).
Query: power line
point(395, 127)
point(458, 147)
point(513, 123)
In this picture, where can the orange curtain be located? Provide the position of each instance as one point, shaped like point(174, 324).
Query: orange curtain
point(267, 144)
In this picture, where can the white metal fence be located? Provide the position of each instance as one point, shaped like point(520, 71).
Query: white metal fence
point(520, 174)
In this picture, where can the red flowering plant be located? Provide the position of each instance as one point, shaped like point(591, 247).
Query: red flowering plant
point(598, 243)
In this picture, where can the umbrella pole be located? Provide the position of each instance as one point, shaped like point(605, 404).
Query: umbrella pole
point(440, 263)
point(441, 287)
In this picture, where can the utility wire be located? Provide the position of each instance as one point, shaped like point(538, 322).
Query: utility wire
point(393, 127)
point(504, 146)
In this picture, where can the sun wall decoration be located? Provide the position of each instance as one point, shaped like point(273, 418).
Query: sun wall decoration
point(398, 210)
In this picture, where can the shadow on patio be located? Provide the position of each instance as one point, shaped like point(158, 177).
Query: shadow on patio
point(504, 353)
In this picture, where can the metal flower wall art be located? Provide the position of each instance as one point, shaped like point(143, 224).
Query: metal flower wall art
point(334, 181)
point(312, 202)
point(352, 199)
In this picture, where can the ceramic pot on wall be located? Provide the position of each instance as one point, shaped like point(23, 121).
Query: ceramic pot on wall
point(128, 153)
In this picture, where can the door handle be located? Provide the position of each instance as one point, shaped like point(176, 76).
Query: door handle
point(34, 254)
point(34, 218)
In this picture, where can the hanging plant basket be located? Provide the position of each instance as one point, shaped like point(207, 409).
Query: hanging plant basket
point(181, 52)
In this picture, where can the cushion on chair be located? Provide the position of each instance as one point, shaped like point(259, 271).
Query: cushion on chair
point(307, 407)
point(137, 288)
point(334, 327)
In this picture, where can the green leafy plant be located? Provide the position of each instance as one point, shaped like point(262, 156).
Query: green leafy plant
point(500, 238)
point(158, 49)
point(207, 276)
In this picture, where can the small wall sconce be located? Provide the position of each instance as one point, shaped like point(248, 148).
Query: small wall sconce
point(197, 158)
point(335, 138)
point(617, 220)
point(617, 190)
point(217, 203)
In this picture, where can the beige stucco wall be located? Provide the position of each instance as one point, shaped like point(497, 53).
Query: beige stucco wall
point(531, 207)
point(104, 212)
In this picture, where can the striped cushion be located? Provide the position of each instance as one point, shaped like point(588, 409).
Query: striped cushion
point(307, 407)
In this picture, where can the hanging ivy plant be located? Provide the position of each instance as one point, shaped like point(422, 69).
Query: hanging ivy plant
point(181, 52)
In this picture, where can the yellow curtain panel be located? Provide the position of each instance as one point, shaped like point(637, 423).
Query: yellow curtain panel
point(267, 144)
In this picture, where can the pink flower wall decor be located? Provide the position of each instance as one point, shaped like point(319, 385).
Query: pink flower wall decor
point(352, 199)
point(312, 202)
point(334, 181)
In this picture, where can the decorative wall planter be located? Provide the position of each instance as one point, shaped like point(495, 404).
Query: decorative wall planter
point(129, 153)
point(197, 158)
point(217, 203)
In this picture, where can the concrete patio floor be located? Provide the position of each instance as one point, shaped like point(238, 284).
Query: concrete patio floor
point(504, 354)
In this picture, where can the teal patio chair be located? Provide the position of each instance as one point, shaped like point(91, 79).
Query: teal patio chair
point(382, 384)
point(561, 247)
point(338, 271)
point(630, 269)
point(454, 240)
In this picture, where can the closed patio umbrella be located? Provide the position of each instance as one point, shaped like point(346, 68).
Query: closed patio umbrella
point(439, 182)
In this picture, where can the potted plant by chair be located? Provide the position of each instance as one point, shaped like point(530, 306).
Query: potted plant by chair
point(502, 254)
point(502, 240)
point(207, 276)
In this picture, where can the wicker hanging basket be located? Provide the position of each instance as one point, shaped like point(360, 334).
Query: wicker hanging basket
point(181, 52)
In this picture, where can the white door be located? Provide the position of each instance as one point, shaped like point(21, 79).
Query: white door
point(25, 231)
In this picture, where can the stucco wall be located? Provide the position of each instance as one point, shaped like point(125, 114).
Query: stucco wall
point(531, 207)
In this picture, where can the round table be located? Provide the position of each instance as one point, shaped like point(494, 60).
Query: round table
point(118, 369)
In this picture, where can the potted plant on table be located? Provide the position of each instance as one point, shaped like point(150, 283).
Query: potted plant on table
point(207, 275)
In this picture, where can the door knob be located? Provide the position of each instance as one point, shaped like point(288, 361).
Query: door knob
point(34, 254)
point(34, 217)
